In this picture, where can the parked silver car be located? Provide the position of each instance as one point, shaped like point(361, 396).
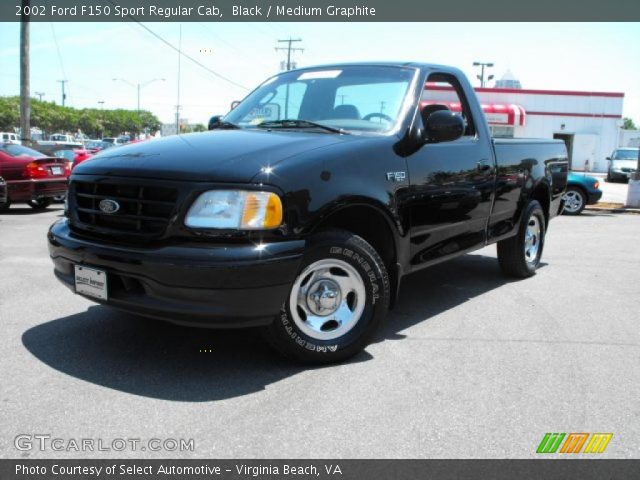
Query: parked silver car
point(622, 163)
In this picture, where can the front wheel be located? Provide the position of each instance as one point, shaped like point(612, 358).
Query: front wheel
point(574, 201)
point(4, 206)
point(337, 302)
point(519, 256)
point(40, 203)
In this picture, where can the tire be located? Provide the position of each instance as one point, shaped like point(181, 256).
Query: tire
point(40, 203)
point(336, 304)
point(519, 256)
point(575, 200)
point(5, 206)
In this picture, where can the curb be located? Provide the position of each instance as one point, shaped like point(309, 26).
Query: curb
point(614, 208)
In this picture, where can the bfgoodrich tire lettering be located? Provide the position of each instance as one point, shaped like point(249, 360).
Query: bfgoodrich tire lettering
point(332, 255)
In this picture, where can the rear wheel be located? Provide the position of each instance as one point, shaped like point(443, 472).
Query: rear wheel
point(574, 201)
point(519, 256)
point(40, 203)
point(337, 302)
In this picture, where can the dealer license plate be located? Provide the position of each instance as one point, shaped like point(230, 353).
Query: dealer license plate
point(91, 282)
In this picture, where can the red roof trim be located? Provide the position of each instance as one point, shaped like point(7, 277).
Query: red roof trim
point(567, 114)
point(573, 93)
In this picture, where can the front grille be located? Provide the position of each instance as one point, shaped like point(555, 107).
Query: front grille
point(628, 170)
point(143, 209)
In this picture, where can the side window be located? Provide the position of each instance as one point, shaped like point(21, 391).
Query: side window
point(444, 91)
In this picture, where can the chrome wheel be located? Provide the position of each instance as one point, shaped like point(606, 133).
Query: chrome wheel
point(532, 240)
point(573, 201)
point(327, 299)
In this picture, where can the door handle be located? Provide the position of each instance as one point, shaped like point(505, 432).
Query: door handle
point(483, 165)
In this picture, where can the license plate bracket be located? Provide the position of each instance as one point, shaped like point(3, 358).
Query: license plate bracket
point(91, 282)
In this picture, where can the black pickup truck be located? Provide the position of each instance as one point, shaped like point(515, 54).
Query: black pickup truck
point(303, 208)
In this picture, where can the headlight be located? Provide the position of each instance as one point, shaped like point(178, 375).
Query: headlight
point(235, 209)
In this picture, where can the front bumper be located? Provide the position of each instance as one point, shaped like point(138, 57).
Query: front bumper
point(594, 197)
point(220, 286)
point(619, 175)
point(25, 190)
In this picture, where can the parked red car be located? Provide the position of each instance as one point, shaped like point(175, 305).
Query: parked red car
point(31, 176)
point(80, 156)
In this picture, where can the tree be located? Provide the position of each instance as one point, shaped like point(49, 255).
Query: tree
point(627, 124)
point(51, 118)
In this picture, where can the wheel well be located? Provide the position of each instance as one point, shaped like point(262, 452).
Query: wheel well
point(370, 224)
point(578, 187)
point(542, 195)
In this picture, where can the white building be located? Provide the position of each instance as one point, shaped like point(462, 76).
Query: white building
point(629, 138)
point(588, 122)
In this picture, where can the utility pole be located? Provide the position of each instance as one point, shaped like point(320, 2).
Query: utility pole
point(40, 95)
point(64, 95)
point(482, 66)
point(25, 98)
point(178, 92)
point(138, 86)
point(289, 48)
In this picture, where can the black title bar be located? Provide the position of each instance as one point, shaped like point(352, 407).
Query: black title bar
point(318, 10)
point(548, 469)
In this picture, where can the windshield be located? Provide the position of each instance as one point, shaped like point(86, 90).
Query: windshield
point(625, 154)
point(355, 99)
point(20, 151)
point(108, 140)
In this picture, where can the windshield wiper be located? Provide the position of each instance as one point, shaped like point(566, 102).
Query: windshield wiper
point(291, 123)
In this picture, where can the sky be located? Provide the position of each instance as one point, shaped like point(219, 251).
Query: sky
point(560, 56)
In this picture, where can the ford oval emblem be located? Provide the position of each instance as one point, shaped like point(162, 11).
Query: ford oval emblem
point(109, 206)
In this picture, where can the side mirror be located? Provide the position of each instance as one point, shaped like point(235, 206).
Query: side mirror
point(442, 126)
point(214, 122)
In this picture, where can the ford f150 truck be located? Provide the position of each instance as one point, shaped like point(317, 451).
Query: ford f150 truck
point(304, 207)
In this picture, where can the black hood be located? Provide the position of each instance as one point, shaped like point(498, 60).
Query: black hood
point(220, 155)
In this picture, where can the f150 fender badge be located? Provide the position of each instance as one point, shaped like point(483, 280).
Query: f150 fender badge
point(396, 176)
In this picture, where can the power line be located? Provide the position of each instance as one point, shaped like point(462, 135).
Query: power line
point(230, 45)
point(188, 57)
point(64, 74)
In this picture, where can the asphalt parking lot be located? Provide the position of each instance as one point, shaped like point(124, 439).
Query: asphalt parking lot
point(470, 364)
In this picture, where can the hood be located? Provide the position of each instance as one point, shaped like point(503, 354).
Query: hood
point(219, 155)
point(630, 163)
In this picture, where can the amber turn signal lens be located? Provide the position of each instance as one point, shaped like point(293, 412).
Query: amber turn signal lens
point(261, 210)
point(273, 217)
